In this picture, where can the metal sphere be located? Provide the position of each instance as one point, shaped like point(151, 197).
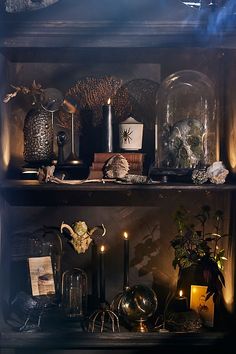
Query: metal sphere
point(138, 303)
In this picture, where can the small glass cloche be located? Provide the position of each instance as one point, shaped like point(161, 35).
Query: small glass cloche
point(74, 293)
point(186, 125)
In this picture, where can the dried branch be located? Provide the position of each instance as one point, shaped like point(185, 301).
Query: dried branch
point(34, 90)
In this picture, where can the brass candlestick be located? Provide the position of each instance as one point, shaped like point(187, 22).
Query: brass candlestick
point(70, 106)
point(51, 101)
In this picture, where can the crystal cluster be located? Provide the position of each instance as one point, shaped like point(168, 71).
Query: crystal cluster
point(216, 173)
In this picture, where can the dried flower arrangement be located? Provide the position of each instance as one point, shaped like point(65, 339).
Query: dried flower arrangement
point(196, 247)
point(36, 91)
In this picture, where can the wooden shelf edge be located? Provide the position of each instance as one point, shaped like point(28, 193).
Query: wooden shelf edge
point(77, 340)
point(31, 193)
point(106, 186)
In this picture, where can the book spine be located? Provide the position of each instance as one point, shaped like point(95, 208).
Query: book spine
point(93, 174)
point(99, 173)
point(130, 157)
point(100, 165)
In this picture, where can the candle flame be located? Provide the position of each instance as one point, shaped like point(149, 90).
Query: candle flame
point(180, 293)
point(109, 101)
point(126, 235)
point(102, 248)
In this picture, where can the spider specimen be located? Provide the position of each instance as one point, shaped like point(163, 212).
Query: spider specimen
point(126, 135)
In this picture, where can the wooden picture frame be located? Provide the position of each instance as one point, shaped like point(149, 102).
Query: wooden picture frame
point(41, 276)
point(198, 303)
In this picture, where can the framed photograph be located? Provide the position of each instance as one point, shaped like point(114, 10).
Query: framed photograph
point(198, 303)
point(41, 276)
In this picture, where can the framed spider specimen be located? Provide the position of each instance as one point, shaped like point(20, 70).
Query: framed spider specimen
point(126, 135)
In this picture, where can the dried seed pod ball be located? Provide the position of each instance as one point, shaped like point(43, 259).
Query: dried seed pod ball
point(116, 167)
point(199, 176)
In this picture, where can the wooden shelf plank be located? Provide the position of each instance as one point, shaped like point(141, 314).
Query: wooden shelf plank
point(76, 339)
point(27, 193)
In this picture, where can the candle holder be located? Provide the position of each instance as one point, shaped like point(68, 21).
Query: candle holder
point(115, 305)
point(51, 101)
point(103, 318)
point(70, 106)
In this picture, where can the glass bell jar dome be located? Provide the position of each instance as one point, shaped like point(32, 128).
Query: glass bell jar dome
point(186, 128)
point(74, 293)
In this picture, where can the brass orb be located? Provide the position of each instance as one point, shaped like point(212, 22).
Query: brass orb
point(137, 304)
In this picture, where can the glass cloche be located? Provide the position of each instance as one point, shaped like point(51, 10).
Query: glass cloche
point(186, 128)
point(74, 293)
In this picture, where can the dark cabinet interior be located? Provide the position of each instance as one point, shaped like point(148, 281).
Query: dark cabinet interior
point(58, 46)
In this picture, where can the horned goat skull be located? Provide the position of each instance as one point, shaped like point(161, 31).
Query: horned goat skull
point(81, 235)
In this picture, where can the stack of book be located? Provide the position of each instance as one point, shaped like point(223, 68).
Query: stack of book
point(135, 160)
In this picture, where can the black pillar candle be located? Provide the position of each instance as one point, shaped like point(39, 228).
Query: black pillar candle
point(180, 303)
point(126, 261)
point(107, 127)
point(102, 275)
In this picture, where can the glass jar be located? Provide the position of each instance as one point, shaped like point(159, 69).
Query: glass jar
point(74, 293)
point(186, 125)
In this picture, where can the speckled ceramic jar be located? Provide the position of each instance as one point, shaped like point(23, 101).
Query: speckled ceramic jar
point(38, 136)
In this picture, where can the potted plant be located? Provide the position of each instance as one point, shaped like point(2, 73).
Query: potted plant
point(197, 252)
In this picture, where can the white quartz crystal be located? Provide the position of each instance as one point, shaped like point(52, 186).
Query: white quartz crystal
point(217, 172)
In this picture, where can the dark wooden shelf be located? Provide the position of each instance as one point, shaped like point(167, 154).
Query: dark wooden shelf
point(27, 193)
point(76, 339)
point(129, 25)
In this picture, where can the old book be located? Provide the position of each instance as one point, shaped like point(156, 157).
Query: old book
point(132, 165)
point(100, 174)
point(95, 174)
point(130, 156)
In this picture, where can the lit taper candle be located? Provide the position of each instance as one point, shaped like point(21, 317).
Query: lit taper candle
point(108, 127)
point(126, 260)
point(102, 275)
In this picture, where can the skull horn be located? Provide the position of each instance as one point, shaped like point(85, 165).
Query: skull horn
point(102, 227)
point(69, 228)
